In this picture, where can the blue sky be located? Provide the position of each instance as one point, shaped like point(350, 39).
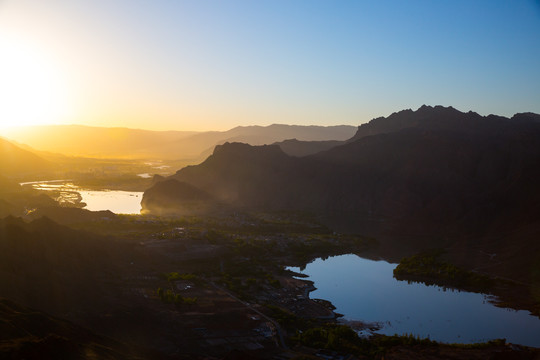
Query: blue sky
point(199, 65)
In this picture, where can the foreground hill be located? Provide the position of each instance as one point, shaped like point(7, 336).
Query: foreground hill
point(437, 176)
point(15, 161)
point(53, 268)
point(166, 145)
point(30, 334)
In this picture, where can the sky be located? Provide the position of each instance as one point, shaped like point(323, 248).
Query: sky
point(214, 64)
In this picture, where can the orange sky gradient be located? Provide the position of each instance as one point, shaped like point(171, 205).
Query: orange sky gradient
point(213, 65)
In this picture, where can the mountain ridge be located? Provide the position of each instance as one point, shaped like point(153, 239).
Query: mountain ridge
point(170, 145)
point(462, 176)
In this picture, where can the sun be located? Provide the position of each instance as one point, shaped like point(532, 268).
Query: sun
point(33, 87)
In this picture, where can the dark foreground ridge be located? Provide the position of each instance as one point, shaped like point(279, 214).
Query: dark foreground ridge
point(34, 335)
point(188, 288)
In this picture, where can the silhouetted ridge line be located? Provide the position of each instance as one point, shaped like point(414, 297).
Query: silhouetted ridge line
point(436, 118)
point(416, 173)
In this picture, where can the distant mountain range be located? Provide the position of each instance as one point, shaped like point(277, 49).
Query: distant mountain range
point(435, 175)
point(165, 145)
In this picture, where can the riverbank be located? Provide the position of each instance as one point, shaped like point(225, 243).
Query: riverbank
point(366, 290)
point(430, 268)
point(230, 271)
point(69, 194)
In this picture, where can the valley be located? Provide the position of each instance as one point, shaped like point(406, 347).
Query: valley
point(199, 287)
point(199, 267)
point(269, 180)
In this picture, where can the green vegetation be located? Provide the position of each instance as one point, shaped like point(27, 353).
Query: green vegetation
point(174, 276)
point(343, 339)
point(428, 267)
point(487, 344)
point(254, 251)
point(169, 296)
point(287, 319)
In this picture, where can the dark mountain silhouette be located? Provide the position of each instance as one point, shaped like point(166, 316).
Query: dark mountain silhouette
point(15, 161)
point(237, 174)
point(440, 118)
point(434, 175)
point(264, 135)
point(31, 334)
point(426, 117)
point(166, 145)
point(299, 148)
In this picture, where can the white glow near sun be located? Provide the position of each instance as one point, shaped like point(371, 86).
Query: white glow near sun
point(33, 88)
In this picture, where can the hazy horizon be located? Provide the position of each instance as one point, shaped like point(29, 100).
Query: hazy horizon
point(6, 130)
point(199, 66)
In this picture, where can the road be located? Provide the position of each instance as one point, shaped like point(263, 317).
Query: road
point(275, 323)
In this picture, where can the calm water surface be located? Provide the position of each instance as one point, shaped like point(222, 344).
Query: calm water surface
point(119, 202)
point(365, 290)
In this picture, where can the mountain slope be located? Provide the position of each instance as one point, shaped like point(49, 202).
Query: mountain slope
point(30, 334)
point(15, 161)
point(446, 172)
point(53, 268)
point(178, 197)
point(300, 148)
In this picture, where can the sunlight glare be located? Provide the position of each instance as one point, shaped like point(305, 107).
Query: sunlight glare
point(33, 87)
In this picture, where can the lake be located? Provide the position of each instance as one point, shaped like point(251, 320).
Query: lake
point(365, 290)
point(117, 201)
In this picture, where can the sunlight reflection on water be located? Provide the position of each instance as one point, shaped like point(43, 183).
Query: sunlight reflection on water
point(117, 201)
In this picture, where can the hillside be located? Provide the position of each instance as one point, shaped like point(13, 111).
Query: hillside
point(179, 197)
point(15, 161)
point(165, 145)
point(17, 200)
point(17, 164)
point(54, 268)
point(295, 147)
point(30, 334)
point(447, 176)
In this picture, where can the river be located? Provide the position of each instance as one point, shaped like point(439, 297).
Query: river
point(365, 290)
point(117, 201)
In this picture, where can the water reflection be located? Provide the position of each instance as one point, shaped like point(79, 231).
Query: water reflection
point(119, 202)
point(365, 290)
point(64, 191)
